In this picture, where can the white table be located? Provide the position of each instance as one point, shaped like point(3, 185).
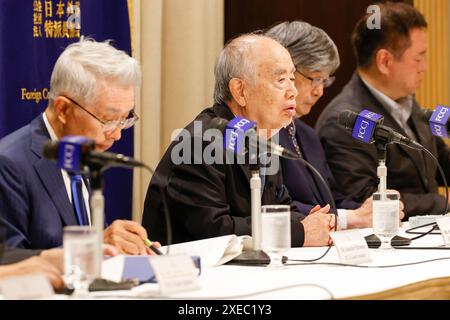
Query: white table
point(312, 281)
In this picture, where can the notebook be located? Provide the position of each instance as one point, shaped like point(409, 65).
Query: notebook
point(212, 251)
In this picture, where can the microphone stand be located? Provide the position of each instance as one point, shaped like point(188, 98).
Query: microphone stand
point(255, 256)
point(98, 213)
point(372, 240)
point(255, 190)
point(382, 170)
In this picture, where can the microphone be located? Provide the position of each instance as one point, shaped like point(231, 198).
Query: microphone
point(367, 127)
point(437, 119)
point(72, 153)
point(238, 129)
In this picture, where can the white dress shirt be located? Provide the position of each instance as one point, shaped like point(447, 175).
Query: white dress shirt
point(400, 109)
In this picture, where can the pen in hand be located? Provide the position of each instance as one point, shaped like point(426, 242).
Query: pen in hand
point(149, 244)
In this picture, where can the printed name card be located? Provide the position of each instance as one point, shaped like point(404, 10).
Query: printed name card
point(444, 226)
point(175, 273)
point(351, 246)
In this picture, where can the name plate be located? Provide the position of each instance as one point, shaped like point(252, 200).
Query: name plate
point(444, 226)
point(175, 274)
point(351, 246)
point(34, 286)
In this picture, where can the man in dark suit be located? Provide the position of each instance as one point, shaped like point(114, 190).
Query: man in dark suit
point(254, 79)
point(91, 94)
point(391, 65)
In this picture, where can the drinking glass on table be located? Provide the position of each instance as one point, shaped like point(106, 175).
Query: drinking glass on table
point(276, 233)
point(386, 217)
point(80, 247)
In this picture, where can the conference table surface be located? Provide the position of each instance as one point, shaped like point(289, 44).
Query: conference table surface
point(323, 279)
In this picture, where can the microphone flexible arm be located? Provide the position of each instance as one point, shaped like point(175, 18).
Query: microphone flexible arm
point(97, 203)
point(382, 146)
point(329, 193)
point(434, 224)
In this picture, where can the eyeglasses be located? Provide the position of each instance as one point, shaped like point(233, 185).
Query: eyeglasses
point(316, 82)
point(112, 124)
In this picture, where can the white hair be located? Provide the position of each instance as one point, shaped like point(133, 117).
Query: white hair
point(86, 64)
point(234, 61)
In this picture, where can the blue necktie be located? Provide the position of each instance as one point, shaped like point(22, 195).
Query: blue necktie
point(78, 199)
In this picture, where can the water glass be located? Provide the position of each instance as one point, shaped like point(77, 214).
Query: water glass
point(276, 233)
point(386, 217)
point(80, 255)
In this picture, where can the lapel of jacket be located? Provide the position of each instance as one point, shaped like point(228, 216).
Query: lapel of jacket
point(423, 130)
point(224, 112)
point(49, 174)
point(305, 144)
point(374, 105)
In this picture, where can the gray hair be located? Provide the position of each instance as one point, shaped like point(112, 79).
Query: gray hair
point(85, 65)
point(234, 61)
point(310, 47)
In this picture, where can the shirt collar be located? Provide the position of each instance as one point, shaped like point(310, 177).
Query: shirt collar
point(400, 110)
point(49, 128)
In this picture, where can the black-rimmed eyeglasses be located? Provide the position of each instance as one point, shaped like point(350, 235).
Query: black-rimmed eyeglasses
point(316, 82)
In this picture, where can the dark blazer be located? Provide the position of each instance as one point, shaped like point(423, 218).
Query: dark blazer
point(208, 200)
point(34, 205)
point(354, 163)
point(304, 186)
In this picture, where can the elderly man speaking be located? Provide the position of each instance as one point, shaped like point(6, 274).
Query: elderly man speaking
point(254, 79)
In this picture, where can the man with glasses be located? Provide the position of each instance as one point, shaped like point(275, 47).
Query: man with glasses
point(111, 125)
point(315, 57)
point(92, 93)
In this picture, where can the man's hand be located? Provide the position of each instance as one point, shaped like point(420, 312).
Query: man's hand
point(317, 227)
point(319, 209)
point(402, 206)
point(127, 237)
point(56, 256)
point(109, 250)
point(361, 217)
point(34, 265)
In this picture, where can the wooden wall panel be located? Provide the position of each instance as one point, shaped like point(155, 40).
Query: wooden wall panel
point(336, 17)
point(436, 85)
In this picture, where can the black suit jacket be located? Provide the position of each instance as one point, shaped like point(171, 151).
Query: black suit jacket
point(354, 163)
point(305, 188)
point(208, 200)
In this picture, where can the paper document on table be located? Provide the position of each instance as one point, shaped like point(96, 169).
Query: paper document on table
point(212, 251)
